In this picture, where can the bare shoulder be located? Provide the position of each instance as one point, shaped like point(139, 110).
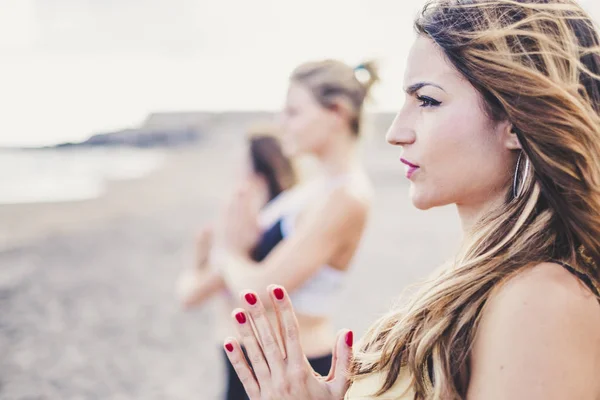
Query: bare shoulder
point(352, 199)
point(344, 208)
point(539, 337)
point(548, 290)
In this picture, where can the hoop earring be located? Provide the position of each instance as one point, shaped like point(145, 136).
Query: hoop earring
point(518, 188)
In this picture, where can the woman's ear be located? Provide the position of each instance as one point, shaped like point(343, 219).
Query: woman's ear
point(509, 136)
point(341, 108)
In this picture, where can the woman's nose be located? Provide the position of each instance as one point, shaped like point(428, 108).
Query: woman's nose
point(399, 133)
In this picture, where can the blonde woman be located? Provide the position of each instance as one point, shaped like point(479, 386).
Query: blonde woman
point(501, 119)
point(309, 244)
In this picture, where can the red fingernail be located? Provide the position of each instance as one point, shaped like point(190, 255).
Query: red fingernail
point(229, 347)
point(250, 298)
point(241, 317)
point(349, 338)
point(278, 292)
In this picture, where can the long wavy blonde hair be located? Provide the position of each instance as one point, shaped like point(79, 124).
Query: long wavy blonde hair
point(536, 63)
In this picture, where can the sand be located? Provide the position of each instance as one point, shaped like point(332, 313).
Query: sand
point(86, 289)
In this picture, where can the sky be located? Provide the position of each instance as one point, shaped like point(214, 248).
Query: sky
point(72, 68)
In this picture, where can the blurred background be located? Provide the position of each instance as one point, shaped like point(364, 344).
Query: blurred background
point(121, 128)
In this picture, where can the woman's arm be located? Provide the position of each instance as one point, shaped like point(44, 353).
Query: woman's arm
point(204, 285)
point(201, 283)
point(340, 220)
point(539, 339)
point(198, 284)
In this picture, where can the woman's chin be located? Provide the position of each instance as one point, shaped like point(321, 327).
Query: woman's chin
point(296, 151)
point(420, 200)
point(421, 205)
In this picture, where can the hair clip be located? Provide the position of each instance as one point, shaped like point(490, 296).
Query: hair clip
point(362, 74)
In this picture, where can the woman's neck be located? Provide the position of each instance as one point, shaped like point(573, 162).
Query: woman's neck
point(339, 158)
point(471, 213)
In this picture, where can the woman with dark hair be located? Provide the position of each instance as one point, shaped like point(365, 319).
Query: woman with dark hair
point(267, 172)
point(270, 165)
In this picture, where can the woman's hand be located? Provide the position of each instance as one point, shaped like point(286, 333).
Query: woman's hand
point(241, 229)
point(283, 375)
point(204, 243)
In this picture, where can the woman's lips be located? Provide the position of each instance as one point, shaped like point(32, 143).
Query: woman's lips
point(410, 167)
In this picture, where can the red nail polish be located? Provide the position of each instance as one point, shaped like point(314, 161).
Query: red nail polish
point(349, 338)
point(241, 317)
point(278, 292)
point(250, 298)
point(229, 347)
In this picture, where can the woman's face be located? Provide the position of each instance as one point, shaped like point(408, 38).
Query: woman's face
point(452, 151)
point(307, 126)
point(250, 179)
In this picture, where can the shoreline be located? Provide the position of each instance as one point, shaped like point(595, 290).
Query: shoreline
point(22, 224)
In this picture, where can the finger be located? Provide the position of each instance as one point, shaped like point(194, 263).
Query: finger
point(249, 207)
point(290, 332)
point(249, 198)
point(265, 332)
point(242, 369)
point(250, 342)
point(242, 191)
point(205, 234)
point(331, 374)
point(339, 383)
point(204, 243)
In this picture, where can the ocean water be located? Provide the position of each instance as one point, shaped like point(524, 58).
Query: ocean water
point(48, 176)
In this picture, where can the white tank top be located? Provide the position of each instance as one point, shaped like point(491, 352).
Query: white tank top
point(318, 295)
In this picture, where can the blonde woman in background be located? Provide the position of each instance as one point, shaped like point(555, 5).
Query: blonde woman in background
point(309, 244)
point(501, 119)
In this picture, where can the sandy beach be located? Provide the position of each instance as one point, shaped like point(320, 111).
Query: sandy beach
point(86, 288)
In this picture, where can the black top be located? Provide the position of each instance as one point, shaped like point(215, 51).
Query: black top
point(270, 238)
point(583, 277)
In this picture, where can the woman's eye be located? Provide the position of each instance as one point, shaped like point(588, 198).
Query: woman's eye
point(428, 101)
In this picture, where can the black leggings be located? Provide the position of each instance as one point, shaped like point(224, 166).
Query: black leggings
point(235, 390)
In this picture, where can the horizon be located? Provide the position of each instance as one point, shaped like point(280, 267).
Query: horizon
point(140, 126)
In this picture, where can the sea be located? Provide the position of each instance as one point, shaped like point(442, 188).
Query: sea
point(66, 175)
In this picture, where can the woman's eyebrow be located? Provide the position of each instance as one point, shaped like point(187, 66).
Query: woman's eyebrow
point(416, 86)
